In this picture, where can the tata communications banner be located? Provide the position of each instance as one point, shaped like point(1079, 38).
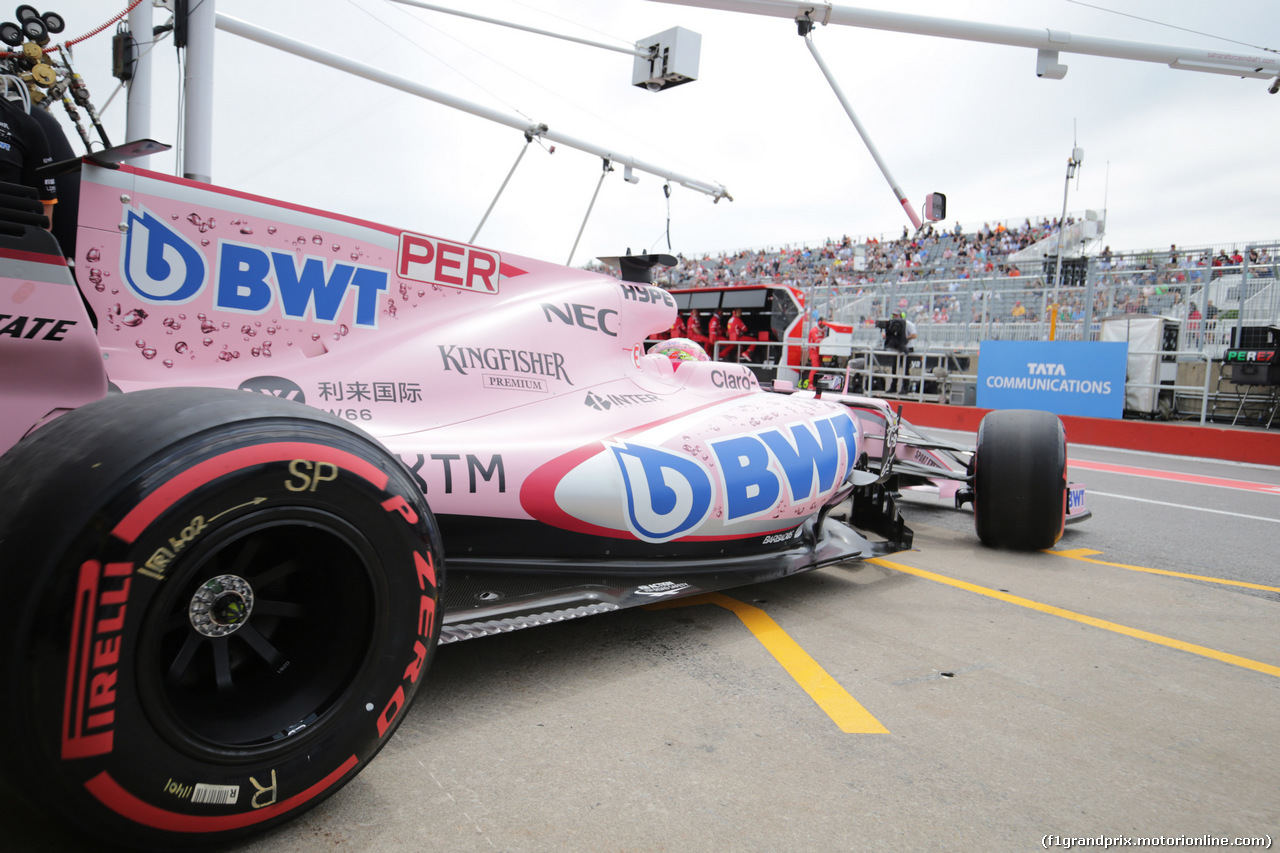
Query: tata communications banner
point(1066, 378)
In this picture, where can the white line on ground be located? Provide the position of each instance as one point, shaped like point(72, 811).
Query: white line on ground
point(1090, 493)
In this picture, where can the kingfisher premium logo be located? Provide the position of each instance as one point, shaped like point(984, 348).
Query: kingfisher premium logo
point(464, 359)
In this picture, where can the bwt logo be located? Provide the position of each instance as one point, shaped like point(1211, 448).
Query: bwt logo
point(1035, 368)
point(671, 494)
point(163, 267)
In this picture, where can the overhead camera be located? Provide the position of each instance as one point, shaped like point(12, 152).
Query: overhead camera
point(669, 59)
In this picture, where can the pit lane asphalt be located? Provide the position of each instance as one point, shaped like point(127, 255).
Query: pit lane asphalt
point(676, 729)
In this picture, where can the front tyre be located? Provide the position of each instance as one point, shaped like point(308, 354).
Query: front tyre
point(220, 606)
point(1020, 480)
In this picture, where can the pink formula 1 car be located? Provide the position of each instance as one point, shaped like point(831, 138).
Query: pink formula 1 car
point(927, 464)
point(241, 447)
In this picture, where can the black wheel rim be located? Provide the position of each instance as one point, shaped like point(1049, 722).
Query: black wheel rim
point(288, 642)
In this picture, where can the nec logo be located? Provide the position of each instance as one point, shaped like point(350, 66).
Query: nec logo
point(1038, 369)
point(582, 316)
point(163, 267)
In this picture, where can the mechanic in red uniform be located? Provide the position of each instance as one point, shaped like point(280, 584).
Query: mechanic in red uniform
point(816, 335)
point(713, 335)
point(738, 331)
point(693, 330)
point(677, 328)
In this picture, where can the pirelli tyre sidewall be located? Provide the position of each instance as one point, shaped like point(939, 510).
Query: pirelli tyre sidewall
point(220, 607)
point(1020, 479)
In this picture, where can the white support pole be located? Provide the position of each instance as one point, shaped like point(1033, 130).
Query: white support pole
point(862, 131)
point(197, 126)
point(576, 240)
point(505, 181)
point(1235, 63)
point(138, 111)
point(368, 72)
point(630, 51)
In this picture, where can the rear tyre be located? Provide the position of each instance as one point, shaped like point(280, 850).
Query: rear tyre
point(1020, 480)
point(220, 607)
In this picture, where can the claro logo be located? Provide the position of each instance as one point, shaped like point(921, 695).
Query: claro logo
point(163, 267)
point(735, 381)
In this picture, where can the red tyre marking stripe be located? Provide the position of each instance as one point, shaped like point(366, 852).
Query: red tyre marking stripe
point(109, 792)
point(150, 508)
point(1247, 485)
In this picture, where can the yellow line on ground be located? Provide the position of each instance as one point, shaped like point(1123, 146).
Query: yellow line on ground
point(1203, 651)
point(843, 709)
point(1083, 554)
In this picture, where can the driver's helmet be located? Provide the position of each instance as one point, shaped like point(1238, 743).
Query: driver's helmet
point(680, 349)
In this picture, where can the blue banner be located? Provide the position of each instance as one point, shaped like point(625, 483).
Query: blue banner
point(1063, 377)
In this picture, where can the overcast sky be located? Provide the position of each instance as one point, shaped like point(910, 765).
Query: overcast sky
point(1174, 156)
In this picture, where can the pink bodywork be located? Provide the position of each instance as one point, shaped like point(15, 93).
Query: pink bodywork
point(511, 387)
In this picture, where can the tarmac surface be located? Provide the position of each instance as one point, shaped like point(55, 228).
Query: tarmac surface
point(1125, 684)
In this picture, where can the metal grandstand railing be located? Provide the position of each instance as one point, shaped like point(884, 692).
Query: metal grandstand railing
point(958, 303)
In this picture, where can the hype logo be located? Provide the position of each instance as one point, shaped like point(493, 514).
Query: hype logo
point(667, 494)
point(160, 265)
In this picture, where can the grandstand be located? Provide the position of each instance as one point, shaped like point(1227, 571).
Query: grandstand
point(996, 282)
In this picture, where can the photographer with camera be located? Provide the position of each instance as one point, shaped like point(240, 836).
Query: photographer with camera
point(899, 332)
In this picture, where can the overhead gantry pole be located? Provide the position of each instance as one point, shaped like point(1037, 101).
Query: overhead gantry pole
point(1048, 42)
point(245, 30)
